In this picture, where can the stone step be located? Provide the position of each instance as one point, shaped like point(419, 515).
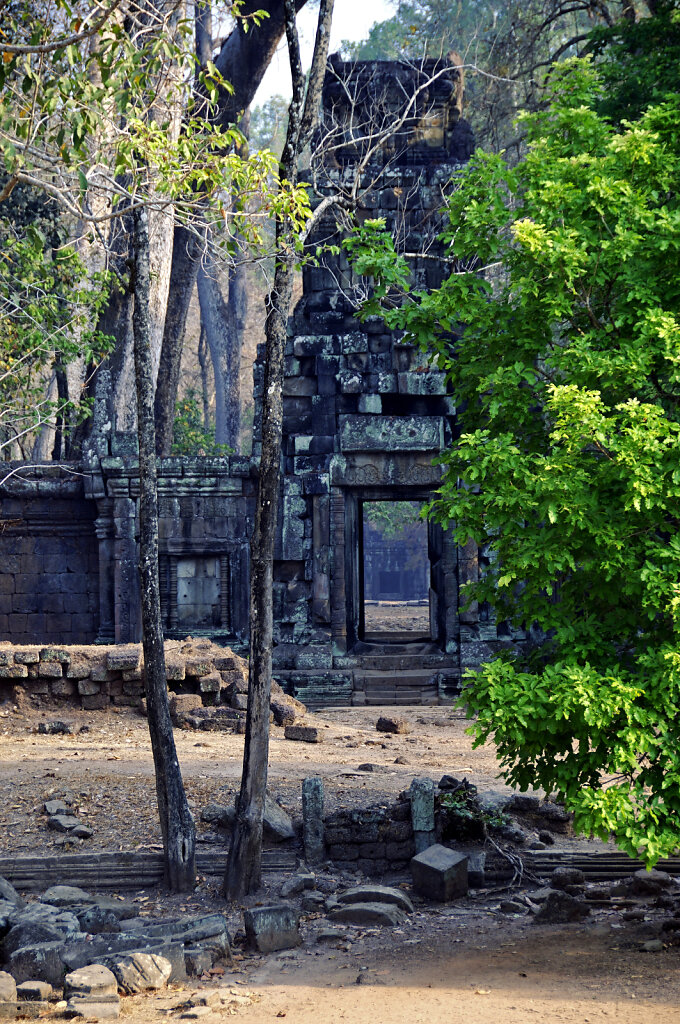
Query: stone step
point(405, 662)
point(398, 680)
point(412, 699)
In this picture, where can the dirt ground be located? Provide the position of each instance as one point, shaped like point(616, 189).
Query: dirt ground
point(466, 961)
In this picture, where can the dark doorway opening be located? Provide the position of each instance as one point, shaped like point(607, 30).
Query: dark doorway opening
point(394, 568)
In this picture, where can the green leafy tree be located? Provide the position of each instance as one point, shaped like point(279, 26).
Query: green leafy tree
point(566, 366)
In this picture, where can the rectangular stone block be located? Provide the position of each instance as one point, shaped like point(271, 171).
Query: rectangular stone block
point(27, 656)
point(439, 873)
point(63, 688)
point(50, 670)
point(13, 671)
point(303, 733)
point(391, 433)
point(86, 687)
point(272, 927)
point(124, 659)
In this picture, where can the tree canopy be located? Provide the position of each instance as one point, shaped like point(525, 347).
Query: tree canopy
point(559, 329)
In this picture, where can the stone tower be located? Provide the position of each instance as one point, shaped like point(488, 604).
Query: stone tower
point(364, 412)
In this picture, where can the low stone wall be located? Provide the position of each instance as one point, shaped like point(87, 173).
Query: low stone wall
point(372, 840)
point(95, 677)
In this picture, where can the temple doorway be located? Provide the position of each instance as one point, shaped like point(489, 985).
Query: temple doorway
point(394, 566)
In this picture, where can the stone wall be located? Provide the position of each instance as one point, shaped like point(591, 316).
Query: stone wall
point(49, 568)
point(372, 840)
point(95, 677)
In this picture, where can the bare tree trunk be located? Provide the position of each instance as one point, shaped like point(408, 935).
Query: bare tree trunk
point(245, 858)
point(177, 823)
point(203, 363)
point(242, 60)
point(224, 324)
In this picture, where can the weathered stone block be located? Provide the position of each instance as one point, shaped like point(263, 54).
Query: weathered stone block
point(272, 927)
point(55, 654)
point(303, 733)
point(210, 683)
point(124, 659)
point(312, 819)
point(390, 433)
point(50, 670)
point(369, 913)
point(15, 671)
point(63, 688)
point(87, 687)
point(27, 656)
point(439, 873)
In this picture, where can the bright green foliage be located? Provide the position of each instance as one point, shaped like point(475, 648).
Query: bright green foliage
point(567, 361)
point(48, 308)
point(190, 434)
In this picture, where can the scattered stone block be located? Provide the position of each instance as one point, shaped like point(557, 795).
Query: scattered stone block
point(217, 814)
point(283, 713)
point(184, 703)
point(564, 877)
point(53, 807)
point(142, 972)
point(297, 883)
point(313, 902)
point(303, 733)
point(330, 935)
point(369, 913)
point(376, 894)
point(392, 724)
point(9, 893)
point(62, 822)
point(561, 908)
point(439, 873)
point(277, 824)
point(41, 961)
point(8, 988)
point(651, 883)
point(175, 669)
point(64, 895)
point(210, 682)
point(30, 933)
point(312, 819)
point(272, 927)
point(197, 961)
point(34, 991)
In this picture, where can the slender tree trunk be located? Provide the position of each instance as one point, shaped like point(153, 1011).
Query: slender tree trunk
point(177, 823)
point(185, 261)
point(224, 324)
point(244, 866)
point(203, 358)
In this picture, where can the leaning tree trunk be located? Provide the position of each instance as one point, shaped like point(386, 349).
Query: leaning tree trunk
point(244, 866)
point(177, 823)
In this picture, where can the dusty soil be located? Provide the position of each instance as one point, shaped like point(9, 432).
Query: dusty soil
point(466, 961)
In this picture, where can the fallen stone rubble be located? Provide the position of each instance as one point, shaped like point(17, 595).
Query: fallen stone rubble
point(94, 947)
point(208, 683)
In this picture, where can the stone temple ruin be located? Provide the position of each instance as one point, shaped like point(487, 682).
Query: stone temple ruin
point(364, 417)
